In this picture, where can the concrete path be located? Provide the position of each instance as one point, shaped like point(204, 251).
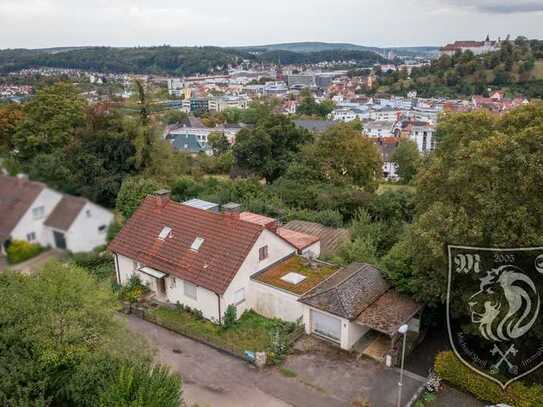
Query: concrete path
point(35, 263)
point(215, 379)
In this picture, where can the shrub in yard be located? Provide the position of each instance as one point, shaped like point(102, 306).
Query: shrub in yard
point(230, 317)
point(133, 291)
point(19, 251)
point(451, 369)
point(98, 263)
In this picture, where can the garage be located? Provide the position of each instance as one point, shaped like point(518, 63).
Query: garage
point(326, 325)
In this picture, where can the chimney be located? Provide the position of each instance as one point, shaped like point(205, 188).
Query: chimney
point(163, 196)
point(232, 210)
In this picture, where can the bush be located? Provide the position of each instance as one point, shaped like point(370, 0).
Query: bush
point(133, 291)
point(99, 264)
point(451, 369)
point(230, 317)
point(20, 251)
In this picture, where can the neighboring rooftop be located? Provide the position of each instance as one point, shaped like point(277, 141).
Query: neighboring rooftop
point(201, 204)
point(225, 242)
point(317, 126)
point(314, 273)
point(389, 312)
point(16, 197)
point(349, 291)
point(298, 239)
point(65, 212)
point(331, 238)
point(257, 219)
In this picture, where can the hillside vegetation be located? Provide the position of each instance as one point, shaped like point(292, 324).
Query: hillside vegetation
point(517, 68)
point(166, 59)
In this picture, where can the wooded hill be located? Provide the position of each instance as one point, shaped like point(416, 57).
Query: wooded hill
point(166, 59)
point(517, 68)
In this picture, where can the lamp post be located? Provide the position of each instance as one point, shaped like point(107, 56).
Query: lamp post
point(402, 331)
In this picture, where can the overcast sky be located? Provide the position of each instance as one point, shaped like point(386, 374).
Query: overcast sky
point(51, 23)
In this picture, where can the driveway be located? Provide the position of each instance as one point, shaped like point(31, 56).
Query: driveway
point(33, 264)
point(309, 378)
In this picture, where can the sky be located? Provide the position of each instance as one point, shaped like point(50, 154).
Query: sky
point(383, 23)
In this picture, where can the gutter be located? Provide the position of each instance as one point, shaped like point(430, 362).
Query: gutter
point(219, 304)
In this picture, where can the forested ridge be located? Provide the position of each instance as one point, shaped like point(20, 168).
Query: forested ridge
point(165, 59)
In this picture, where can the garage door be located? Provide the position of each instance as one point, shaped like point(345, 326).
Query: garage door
point(327, 326)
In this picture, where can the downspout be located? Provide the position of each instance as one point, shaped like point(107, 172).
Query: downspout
point(219, 304)
point(117, 271)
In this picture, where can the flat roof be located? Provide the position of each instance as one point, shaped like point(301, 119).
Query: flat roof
point(314, 273)
point(200, 204)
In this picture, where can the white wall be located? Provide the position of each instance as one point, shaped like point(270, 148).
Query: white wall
point(272, 302)
point(27, 224)
point(206, 301)
point(277, 250)
point(84, 234)
point(312, 250)
point(350, 332)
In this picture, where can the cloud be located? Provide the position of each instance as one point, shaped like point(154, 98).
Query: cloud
point(500, 6)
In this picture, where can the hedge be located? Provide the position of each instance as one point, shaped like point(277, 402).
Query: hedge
point(20, 250)
point(450, 368)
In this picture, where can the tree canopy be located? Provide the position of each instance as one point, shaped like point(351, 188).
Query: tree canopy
point(482, 188)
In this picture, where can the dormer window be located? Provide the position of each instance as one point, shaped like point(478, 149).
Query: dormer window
point(164, 233)
point(197, 244)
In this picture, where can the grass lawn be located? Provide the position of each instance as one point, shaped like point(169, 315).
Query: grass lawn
point(251, 332)
point(296, 264)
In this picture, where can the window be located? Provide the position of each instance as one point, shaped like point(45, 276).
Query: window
point(31, 236)
point(164, 233)
point(239, 296)
point(197, 244)
point(38, 212)
point(88, 213)
point(172, 282)
point(263, 253)
point(102, 229)
point(190, 290)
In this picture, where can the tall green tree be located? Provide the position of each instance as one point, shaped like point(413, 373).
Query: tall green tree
point(51, 121)
point(407, 158)
point(482, 187)
point(270, 147)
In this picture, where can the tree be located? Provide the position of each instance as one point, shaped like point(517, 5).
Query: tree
point(10, 116)
point(480, 188)
point(132, 192)
point(407, 159)
point(343, 157)
point(61, 343)
point(51, 120)
point(269, 148)
point(219, 143)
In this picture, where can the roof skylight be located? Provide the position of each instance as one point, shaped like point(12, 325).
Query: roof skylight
point(164, 233)
point(197, 243)
point(293, 278)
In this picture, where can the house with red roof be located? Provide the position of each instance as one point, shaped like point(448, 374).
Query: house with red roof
point(198, 258)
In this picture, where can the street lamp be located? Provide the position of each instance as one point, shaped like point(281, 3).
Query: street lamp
point(402, 331)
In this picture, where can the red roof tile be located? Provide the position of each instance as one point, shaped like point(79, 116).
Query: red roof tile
point(227, 242)
point(297, 239)
point(257, 219)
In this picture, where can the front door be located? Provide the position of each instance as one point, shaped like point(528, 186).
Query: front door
point(161, 286)
point(60, 240)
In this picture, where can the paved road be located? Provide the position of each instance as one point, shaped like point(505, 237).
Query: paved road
point(215, 379)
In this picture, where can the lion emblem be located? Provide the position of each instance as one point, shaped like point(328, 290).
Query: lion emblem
point(506, 305)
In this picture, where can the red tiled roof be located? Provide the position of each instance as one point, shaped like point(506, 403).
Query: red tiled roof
point(257, 219)
point(65, 212)
point(297, 239)
point(227, 242)
point(16, 197)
